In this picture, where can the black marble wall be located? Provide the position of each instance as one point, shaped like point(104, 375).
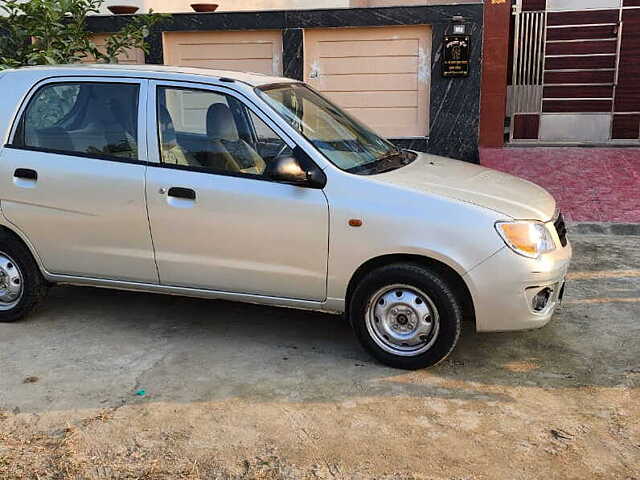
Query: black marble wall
point(293, 53)
point(455, 102)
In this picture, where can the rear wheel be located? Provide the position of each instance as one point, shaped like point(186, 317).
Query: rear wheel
point(22, 286)
point(407, 316)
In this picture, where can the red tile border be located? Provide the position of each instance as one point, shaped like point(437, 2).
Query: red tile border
point(534, 5)
point(582, 48)
point(626, 127)
point(576, 106)
point(526, 126)
point(580, 33)
point(582, 18)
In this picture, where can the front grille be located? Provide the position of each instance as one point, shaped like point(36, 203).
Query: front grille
point(561, 228)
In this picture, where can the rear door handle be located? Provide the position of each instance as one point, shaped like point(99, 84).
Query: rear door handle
point(181, 192)
point(26, 174)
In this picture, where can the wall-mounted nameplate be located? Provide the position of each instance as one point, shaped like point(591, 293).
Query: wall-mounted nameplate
point(455, 62)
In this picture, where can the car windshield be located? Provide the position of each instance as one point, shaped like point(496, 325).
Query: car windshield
point(342, 139)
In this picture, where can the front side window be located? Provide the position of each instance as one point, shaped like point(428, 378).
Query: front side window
point(213, 131)
point(339, 137)
point(98, 119)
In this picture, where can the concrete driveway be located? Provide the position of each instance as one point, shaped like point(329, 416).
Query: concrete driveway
point(106, 384)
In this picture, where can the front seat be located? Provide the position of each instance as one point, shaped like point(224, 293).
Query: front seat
point(172, 153)
point(229, 149)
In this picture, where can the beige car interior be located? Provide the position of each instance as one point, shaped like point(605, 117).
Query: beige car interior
point(172, 153)
point(237, 154)
point(226, 150)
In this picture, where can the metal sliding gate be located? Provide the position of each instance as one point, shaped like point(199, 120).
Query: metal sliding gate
point(528, 61)
point(575, 71)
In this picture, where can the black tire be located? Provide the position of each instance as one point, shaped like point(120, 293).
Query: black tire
point(34, 286)
point(429, 281)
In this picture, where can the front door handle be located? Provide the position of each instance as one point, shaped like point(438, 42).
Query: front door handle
point(181, 192)
point(26, 174)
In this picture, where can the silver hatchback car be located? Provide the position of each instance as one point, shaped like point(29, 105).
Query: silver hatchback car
point(257, 189)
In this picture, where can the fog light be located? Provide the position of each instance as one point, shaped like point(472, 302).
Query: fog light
point(541, 300)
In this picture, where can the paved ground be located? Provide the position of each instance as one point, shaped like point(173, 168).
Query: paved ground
point(591, 184)
point(246, 392)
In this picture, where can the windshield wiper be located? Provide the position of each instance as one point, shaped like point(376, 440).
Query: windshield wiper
point(391, 160)
point(390, 154)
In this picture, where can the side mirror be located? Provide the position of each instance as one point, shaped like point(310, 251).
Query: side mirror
point(287, 169)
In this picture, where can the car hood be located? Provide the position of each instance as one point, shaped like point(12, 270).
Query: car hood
point(470, 183)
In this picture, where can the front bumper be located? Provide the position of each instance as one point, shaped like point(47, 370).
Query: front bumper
point(503, 286)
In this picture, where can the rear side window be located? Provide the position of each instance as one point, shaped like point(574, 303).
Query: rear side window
point(95, 119)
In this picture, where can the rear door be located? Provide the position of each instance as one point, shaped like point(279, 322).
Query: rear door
point(218, 223)
point(72, 178)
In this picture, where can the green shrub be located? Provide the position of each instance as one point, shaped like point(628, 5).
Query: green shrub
point(49, 32)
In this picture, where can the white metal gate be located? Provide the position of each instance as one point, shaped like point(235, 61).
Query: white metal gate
point(525, 92)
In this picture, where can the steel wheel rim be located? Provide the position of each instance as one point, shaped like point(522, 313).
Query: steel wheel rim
point(11, 282)
point(402, 320)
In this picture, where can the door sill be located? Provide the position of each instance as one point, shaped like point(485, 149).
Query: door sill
point(189, 292)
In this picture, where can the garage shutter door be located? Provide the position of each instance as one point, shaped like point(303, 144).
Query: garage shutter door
point(132, 56)
point(379, 75)
point(247, 51)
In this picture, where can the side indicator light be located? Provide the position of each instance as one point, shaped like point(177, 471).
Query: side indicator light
point(355, 222)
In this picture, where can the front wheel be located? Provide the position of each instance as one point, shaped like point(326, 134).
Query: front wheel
point(407, 316)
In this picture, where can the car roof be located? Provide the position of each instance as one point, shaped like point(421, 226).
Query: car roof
point(159, 72)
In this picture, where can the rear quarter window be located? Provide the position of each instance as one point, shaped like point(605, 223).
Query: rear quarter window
point(51, 105)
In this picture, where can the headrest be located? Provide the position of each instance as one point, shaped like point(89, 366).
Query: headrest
point(221, 124)
point(104, 106)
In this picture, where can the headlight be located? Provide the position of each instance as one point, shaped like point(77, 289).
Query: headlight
point(528, 238)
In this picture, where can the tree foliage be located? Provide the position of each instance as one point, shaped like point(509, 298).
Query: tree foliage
point(49, 32)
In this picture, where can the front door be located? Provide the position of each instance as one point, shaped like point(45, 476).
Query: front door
point(217, 222)
point(72, 179)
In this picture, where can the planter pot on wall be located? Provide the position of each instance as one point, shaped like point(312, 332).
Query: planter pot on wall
point(204, 7)
point(122, 9)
